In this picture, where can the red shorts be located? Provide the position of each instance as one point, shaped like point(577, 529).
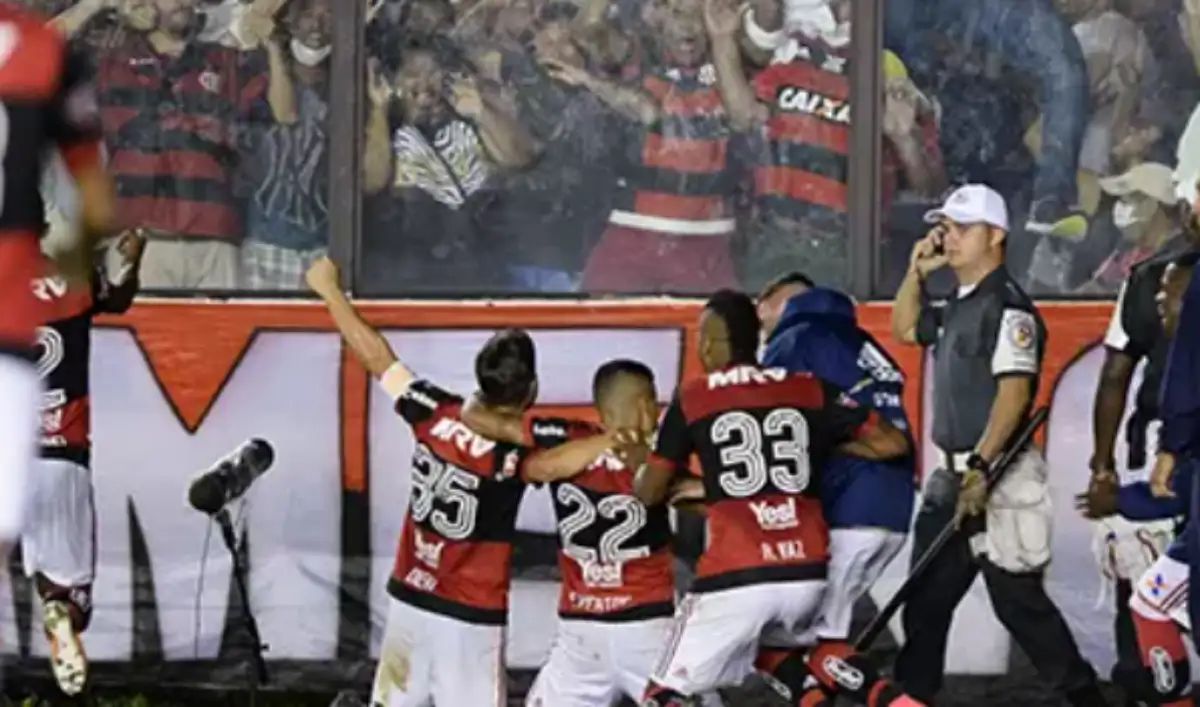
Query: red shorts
point(634, 260)
point(21, 313)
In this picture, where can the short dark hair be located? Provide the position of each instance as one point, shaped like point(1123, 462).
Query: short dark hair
point(506, 368)
point(795, 277)
point(610, 371)
point(738, 312)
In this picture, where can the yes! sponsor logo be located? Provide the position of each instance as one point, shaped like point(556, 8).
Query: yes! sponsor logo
point(779, 516)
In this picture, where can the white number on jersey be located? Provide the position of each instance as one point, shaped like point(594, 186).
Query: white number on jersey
point(630, 513)
point(434, 480)
point(753, 454)
point(53, 351)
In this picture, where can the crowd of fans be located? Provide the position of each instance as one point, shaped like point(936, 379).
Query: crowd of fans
point(633, 146)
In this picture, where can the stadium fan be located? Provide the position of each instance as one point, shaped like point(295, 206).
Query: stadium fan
point(45, 102)
point(763, 437)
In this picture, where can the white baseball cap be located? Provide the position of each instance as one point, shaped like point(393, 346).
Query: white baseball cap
point(972, 203)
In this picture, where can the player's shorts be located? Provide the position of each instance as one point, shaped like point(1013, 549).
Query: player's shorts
point(1162, 591)
point(716, 635)
point(594, 663)
point(59, 540)
point(432, 660)
point(857, 557)
point(21, 313)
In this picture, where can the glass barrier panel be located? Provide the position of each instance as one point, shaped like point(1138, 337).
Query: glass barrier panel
point(1071, 109)
point(215, 122)
point(602, 148)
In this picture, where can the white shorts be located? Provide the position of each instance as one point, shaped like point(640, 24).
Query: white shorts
point(857, 557)
point(59, 540)
point(716, 635)
point(1162, 592)
point(593, 663)
point(430, 660)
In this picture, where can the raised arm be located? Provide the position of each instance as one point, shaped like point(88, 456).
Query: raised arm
point(724, 22)
point(372, 350)
point(909, 309)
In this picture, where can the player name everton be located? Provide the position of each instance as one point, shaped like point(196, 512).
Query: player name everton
point(596, 604)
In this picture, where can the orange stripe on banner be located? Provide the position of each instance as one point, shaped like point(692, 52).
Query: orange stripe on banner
point(355, 397)
point(193, 348)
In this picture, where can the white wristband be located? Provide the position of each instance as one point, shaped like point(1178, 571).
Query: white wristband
point(395, 380)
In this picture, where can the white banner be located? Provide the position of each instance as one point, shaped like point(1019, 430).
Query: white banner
point(287, 388)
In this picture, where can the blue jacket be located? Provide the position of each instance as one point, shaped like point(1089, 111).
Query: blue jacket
point(819, 334)
point(1179, 406)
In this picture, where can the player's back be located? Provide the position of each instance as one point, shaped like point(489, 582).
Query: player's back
point(762, 435)
point(615, 552)
point(456, 546)
point(33, 68)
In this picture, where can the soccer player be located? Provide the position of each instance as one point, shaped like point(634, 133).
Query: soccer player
point(618, 590)
point(45, 103)
point(762, 436)
point(1160, 603)
point(444, 640)
point(58, 543)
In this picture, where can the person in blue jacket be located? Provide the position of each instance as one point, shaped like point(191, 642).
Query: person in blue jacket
point(868, 504)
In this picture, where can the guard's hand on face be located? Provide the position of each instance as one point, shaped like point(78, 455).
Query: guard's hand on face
point(972, 494)
point(1160, 478)
point(927, 254)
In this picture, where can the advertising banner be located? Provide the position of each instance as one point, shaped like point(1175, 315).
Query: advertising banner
point(177, 385)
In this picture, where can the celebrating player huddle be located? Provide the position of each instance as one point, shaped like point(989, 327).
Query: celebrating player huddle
point(761, 435)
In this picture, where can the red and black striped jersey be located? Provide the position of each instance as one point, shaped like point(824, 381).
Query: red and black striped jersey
point(615, 554)
point(804, 172)
point(762, 435)
point(679, 173)
point(64, 355)
point(456, 545)
point(46, 102)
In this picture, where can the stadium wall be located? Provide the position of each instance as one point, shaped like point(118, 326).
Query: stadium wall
point(178, 384)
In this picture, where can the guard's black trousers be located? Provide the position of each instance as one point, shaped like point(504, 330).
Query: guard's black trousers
point(1020, 601)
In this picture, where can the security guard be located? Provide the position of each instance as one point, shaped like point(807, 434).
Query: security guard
point(988, 342)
